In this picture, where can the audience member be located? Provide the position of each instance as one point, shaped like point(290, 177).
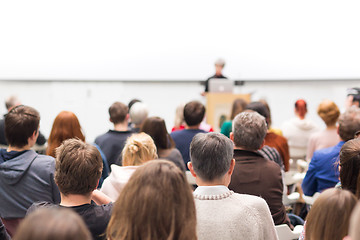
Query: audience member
point(138, 113)
point(139, 148)
point(157, 203)
point(165, 145)
point(219, 66)
point(10, 103)
point(329, 113)
point(52, 224)
point(354, 230)
point(77, 173)
point(238, 106)
point(272, 139)
point(3, 233)
point(254, 174)
point(25, 176)
point(221, 213)
point(323, 170)
point(353, 97)
point(269, 120)
point(194, 113)
point(66, 125)
point(330, 215)
point(132, 102)
point(112, 142)
point(298, 130)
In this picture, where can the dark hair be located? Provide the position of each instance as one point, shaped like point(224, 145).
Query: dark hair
point(118, 112)
point(349, 123)
point(238, 106)
point(260, 108)
point(350, 166)
point(78, 167)
point(194, 113)
point(20, 124)
point(156, 128)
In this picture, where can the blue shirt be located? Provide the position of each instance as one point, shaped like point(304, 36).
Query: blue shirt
point(323, 170)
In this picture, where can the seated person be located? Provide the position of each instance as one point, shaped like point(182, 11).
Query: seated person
point(354, 230)
point(221, 213)
point(138, 113)
point(238, 106)
point(78, 170)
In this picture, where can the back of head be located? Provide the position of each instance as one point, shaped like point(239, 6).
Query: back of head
point(139, 148)
point(238, 106)
point(350, 166)
point(329, 216)
point(20, 124)
point(249, 130)
point(349, 123)
point(118, 112)
point(355, 93)
point(354, 230)
point(329, 112)
point(211, 155)
point(52, 224)
point(194, 113)
point(138, 113)
point(156, 128)
point(156, 203)
point(11, 102)
point(260, 108)
point(301, 108)
point(132, 102)
point(179, 115)
point(66, 125)
point(78, 167)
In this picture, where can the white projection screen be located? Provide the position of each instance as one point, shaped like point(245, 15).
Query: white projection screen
point(178, 40)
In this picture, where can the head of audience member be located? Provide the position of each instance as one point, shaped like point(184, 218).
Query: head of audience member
point(300, 108)
point(179, 116)
point(22, 127)
point(194, 113)
point(52, 223)
point(353, 97)
point(354, 230)
point(219, 66)
point(132, 102)
point(329, 112)
point(66, 125)
point(349, 123)
point(11, 102)
point(119, 115)
point(329, 216)
point(238, 106)
point(78, 168)
point(268, 121)
point(350, 166)
point(249, 131)
point(156, 203)
point(156, 128)
point(138, 113)
point(212, 160)
point(139, 148)
point(261, 109)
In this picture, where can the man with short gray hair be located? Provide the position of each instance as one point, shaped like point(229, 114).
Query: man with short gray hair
point(254, 174)
point(221, 213)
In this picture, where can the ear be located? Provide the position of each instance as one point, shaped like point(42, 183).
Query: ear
point(347, 238)
point(232, 166)
point(231, 136)
point(337, 130)
point(190, 166)
point(127, 117)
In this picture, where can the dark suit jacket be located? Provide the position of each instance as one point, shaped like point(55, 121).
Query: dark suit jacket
point(255, 175)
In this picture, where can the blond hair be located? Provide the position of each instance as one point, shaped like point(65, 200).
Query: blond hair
point(138, 149)
point(329, 112)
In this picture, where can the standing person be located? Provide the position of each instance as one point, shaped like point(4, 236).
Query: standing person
point(25, 176)
point(221, 213)
point(219, 66)
point(298, 130)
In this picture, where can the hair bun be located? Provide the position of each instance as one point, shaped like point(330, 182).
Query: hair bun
point(133, 148)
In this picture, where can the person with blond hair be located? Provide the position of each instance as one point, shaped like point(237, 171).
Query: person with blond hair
point(138, 149)
point(329, 113)
point(156, 203)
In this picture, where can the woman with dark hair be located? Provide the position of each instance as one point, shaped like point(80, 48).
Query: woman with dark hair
point(156, 128)
point(156, 203)
point(238, 106)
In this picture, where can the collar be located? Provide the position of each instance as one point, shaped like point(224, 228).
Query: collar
point(212, 192)
point(240, 152)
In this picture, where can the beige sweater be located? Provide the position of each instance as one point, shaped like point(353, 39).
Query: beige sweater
point(223, 214)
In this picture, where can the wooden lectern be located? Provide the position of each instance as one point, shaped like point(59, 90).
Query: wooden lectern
point(218, 105)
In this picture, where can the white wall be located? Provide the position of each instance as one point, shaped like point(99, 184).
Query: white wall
point(90, 100)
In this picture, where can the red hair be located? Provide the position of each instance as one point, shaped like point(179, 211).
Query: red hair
point(301, 108)
point(66, 125)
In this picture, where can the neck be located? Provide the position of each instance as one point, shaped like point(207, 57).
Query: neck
point(17, 149)
point(192, 127)
point(330, 127)
point(74, 200)
point(216, 182)
point(121, 126)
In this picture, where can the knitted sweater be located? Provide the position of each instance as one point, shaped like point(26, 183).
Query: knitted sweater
point(223, 214)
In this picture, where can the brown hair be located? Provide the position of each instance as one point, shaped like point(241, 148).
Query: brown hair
point(349, 123)
point(66, 125)
point(78, 167)
point(354, 230)
point(20, 124)
point(118, 112)
point(138, 149)
point(53, 223)
point(194, 113)
point(156, 128)
point(156, 203)
point(238, 106)
point(329, 216)
point(329, 112)
point(350, 166)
